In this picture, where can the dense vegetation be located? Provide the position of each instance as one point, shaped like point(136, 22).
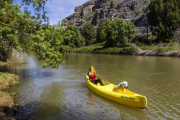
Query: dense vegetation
point(72, 37)
point(88, 33)
point(164, 18)
point(118, 33)
point(112, 4)
point(99, 37)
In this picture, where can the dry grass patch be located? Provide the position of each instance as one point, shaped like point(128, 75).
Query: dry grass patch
point(7, 79)
point(6, 99)
point(3, 63)
point(6, 102)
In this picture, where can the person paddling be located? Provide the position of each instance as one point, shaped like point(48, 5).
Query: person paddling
point(92, 76)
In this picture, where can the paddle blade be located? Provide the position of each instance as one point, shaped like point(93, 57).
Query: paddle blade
point(87, 77)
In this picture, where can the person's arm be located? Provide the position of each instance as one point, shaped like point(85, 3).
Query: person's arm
point(89, 73)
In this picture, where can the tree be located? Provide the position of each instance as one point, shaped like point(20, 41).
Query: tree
point(99, 37)
point(38, 6)
point(47, 43)
point(72, 37)
point(88, 33)
point(118, 33)
point(8, 28)
point(164, 18)
point(45, 40)
point(111, 4)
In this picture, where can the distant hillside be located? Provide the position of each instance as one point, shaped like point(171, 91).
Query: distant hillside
point(93, 10)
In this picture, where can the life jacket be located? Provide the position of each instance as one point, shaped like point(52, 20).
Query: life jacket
point(92, 76)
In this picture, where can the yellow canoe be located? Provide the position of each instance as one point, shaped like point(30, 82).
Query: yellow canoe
point(124, 97)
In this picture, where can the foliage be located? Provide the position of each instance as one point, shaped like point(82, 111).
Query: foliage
point(142, 40)
point(72, 37)
point(124, 50)
point(118, 33)
point(12, 94)
point(164, 18)
point(111, 4)
point(99, 38)
point(162, 47)
point(88, 33)
point(99, 49)
point(47, 43)
point(21, 30)
point(38, 6)
point(8, 37)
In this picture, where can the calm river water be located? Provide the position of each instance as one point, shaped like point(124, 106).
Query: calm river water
point(53, 94)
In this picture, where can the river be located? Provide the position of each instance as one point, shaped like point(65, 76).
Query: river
point(53, 94)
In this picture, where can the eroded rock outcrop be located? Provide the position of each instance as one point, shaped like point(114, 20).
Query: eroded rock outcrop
point(175, 53)
point(93, 10)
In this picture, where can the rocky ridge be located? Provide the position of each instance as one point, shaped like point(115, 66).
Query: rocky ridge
point(93, 10)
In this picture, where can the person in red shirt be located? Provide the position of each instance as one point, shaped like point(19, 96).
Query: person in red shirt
point(92, 76)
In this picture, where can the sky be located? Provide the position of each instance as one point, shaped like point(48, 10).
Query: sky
point(57, 10)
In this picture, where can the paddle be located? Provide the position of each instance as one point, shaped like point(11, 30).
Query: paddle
point(87, 77)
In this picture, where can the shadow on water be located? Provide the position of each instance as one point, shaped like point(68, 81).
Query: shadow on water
point(112, 109)
point(100, 106)
point(119, 111)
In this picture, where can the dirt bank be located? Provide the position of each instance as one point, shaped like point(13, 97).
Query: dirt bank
point(6, 100)
point(158, 53)
point(8, 79)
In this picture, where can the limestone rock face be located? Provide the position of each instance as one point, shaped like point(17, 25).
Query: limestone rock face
point(87, 10)
point(94, 10)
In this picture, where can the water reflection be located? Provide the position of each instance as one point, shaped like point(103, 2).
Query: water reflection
point(115, 110)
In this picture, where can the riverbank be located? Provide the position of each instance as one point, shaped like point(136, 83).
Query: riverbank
point(170, 50)
point(6, 99)
point(16, 58)
point(7, 80)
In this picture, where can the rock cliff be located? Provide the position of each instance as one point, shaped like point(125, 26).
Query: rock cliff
point(93, 10)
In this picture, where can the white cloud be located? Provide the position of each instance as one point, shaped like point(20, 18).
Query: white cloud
point(57, 10)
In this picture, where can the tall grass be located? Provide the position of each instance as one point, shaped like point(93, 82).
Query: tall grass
point(98, 48)
point(17, 57)
point(162, 47)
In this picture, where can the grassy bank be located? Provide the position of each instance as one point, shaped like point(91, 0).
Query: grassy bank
point(161, 49)
point(8, 79)
point(6, 100)
point(98, 48)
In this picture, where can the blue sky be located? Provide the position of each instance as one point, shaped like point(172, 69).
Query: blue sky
point(57, 10)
